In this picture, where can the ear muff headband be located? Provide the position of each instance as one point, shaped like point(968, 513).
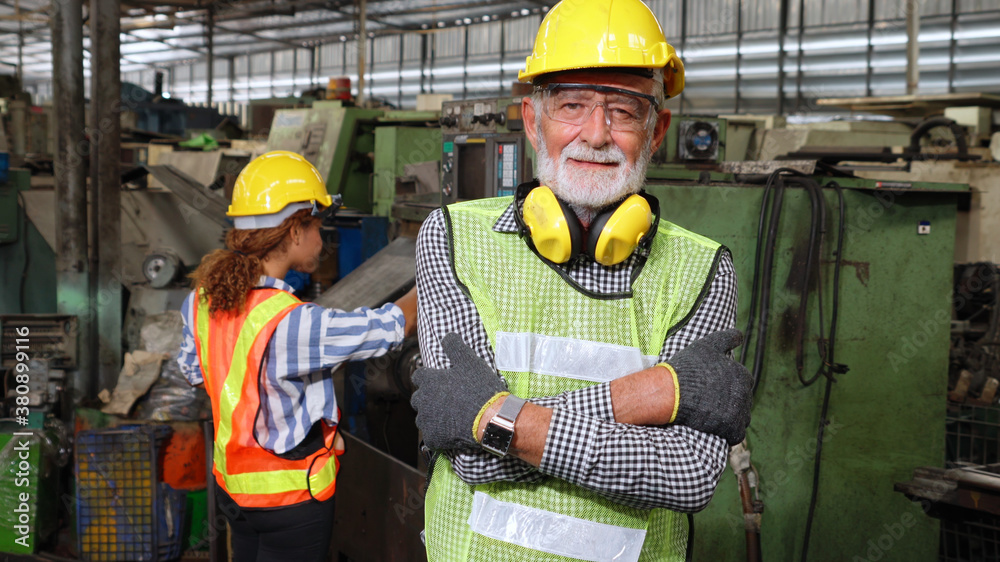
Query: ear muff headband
point(616, 232)
point(555, 233)
point(554, 229)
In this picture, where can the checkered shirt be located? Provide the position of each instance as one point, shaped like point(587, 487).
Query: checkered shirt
point(672, 467)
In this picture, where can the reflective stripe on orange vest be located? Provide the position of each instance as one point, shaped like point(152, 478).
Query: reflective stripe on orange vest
point(230, 350)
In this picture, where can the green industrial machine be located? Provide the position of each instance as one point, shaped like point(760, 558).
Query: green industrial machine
point(886, 414)
point(396, 148)
point(18, 179)
point(27, 278)
point(29, 488)
point(340, 140)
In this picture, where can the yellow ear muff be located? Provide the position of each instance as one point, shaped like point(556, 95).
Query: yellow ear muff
point(554, 228)
point(614, 235)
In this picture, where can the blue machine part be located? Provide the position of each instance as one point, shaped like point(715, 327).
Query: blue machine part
point(360, 239)
point(298, 280)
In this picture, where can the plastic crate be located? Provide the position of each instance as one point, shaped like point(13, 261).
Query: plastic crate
point(171, 522)
point(119, 496)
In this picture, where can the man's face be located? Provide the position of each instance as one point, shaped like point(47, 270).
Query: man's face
point(591, 165)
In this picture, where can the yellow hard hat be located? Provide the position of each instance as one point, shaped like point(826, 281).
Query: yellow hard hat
point(581, 34)
point(274, 180)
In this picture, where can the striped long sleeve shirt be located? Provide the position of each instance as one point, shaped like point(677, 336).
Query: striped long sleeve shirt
point(311, 341)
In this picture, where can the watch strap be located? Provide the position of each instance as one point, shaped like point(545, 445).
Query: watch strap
point(510, 408)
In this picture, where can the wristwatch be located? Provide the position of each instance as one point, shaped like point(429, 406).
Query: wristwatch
point(500, 430)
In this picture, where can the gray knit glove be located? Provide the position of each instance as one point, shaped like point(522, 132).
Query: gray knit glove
point(447, 401)
point(715, 391)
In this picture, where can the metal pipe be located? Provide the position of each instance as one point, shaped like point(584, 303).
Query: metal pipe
point(362, 43)
point(503, 53)
point(312, 67)
point(210, 40)
point(423, 62)
point(870, 51)
point(20, 44)
point(465, 64)
point(683, 45)
point(751, 519)
point(782, 35)
point(739, 57)
point(952, 45)
point(232, 78)
point(105, 100)
point(399, 77)
point(72, 277)
point(800, 55)
point(984, 480)
point(912, 46)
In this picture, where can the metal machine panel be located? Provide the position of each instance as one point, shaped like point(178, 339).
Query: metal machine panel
point(466, 157)
point(887, 412)
point(386, 275)
point(395, 149)
point(483, 136)
point(380, 507)
point(53, 337)
point(338, 140)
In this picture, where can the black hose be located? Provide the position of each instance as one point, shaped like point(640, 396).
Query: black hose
point(762, 279)
point(932, 123)
point(748, 332)
point(828, 368)
point(817, 232)
point(765, 291)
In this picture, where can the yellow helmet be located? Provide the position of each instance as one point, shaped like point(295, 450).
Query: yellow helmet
point(272, 182)
point(580, 34)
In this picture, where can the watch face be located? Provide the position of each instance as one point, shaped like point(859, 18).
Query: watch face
point(497, 439)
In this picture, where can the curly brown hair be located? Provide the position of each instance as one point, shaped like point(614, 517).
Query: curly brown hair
point(228, 275)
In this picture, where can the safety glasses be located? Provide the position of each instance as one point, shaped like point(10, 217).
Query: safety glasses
point(327, 213)
point(624, 110)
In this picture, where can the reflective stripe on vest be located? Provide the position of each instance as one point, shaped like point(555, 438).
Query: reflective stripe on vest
point(554, 533)
point(532, 315)
point(230, 349)
point(568, 358)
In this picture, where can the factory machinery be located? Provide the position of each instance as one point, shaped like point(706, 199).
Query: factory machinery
point(845, 257)
point(845, 274)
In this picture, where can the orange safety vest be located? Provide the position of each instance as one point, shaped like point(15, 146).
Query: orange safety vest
point(230, 349)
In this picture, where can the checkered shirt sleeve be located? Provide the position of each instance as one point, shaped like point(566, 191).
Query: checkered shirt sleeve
point(672, 467)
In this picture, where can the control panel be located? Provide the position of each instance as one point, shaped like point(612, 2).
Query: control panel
point(484, 151)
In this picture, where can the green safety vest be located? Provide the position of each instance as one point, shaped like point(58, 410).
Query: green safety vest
point(538, 322)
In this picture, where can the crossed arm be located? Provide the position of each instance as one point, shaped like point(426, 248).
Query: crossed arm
point(608, 438)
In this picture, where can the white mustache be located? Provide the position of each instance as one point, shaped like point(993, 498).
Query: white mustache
point(584, 153)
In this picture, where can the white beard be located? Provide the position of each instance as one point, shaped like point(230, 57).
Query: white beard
point(588, 191)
